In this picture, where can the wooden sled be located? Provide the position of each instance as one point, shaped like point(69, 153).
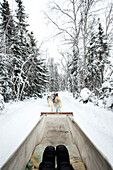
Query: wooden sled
point(64, 113)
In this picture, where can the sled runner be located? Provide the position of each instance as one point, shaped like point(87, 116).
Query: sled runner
point(64, 113)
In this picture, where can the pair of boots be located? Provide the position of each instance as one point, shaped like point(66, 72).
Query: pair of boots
point(48, 161)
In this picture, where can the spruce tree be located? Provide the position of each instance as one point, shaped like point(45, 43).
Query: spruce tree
point(103, 51)
point(73, 84)
point(56, 78)
point(19, 50)
point(97, 60)
point(35, 71)
point(93, 72)
point(37, 79)
point(6, 27)
point(7, 31)
point(23, 72)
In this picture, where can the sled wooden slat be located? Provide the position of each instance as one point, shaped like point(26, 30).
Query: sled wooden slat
point(65, 113)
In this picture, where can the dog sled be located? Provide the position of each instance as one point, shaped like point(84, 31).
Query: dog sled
point(54, 129)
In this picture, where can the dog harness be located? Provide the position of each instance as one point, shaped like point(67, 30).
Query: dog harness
point(58, 106)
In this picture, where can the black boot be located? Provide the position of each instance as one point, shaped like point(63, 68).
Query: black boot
point(63, 162)
point(48, 160)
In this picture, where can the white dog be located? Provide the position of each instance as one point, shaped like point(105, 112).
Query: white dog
point(50, 103)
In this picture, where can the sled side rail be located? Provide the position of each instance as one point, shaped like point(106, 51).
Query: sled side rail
point(64, 113)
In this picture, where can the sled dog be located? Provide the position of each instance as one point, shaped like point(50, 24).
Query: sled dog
point(50, 103)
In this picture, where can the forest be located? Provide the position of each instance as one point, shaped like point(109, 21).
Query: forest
point(85, 32)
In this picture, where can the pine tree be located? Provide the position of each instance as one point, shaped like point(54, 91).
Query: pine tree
point(93, 73)
point(35, 71)
point(20, 47)
point(50, 65)
point(73, 84)
point(102, 51)
point(21, 23)
point(97, 54)
point(23, 72)
point(56, 78)
point(20, 50)
point(37, 79)
point(31, 79)
point(6, 27)
point(7, 31)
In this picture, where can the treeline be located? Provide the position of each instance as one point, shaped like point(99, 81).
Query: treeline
point(23, 72)
point(56, 80)
point(85, 31)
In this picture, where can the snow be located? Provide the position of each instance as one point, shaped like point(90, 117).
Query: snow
point(85, 93)
point(1, 102)
point(106, 85)
point(1, 97)
point(109, 101)
point(18, 119)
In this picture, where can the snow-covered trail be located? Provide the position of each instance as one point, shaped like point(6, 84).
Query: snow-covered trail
point(20, 117)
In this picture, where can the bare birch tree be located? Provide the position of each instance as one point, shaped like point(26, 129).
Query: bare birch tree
point(85, 11)
point(74, 21)
point(109, 24)
point(68, 25)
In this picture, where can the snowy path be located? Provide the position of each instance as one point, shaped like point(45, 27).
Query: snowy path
point(19, 118)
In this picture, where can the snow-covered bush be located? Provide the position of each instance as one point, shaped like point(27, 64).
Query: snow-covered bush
point(106, 85)
point(77, 95)
point(85, 94)
point(94, 99)
point(109, 102)
point(107, 94)
point(2, 104)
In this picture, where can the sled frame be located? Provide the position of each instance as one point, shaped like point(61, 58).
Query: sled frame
point(62, 113)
